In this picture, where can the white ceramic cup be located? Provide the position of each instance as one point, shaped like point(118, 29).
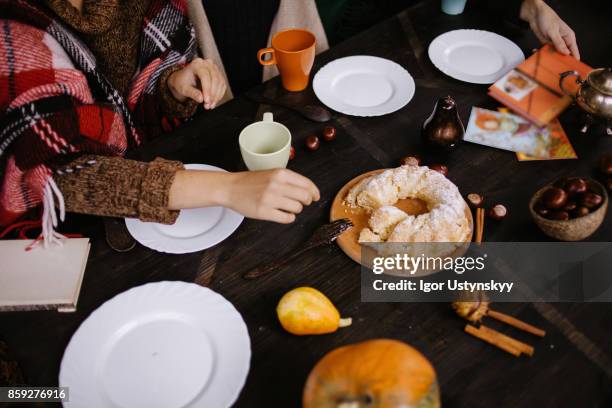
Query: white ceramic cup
point(265, 145)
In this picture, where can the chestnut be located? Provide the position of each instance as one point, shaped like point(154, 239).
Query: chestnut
point(570, 206)
point(313, 143)
point(329, 133)
point(474, 200)
point(575, 186)
point(605, 164)
point(540, 209)
point(497, 212)
point(410, 161)
point(591, 200)
point(558, 215)
point(554, 198)
point(440, 168)
point(292, 153)
point(580, 212)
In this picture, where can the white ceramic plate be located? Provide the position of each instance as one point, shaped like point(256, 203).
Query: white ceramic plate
point(364, 86)
point(476, 56)
point(160, 345)
point(194, 230)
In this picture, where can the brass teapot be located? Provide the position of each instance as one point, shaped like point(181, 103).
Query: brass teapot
point(594, 94)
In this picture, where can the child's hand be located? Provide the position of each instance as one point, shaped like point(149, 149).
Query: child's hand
point(200, 80)
point(273, 195)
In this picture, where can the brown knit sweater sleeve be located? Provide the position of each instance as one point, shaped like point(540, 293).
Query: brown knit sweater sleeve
point(169, 105)
point(117, 187)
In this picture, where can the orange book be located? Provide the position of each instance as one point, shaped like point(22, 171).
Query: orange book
point(532, 88)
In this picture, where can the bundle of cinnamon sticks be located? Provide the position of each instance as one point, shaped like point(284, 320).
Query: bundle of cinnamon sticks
point(502, 341)
point(475, 310)
point(482, 332)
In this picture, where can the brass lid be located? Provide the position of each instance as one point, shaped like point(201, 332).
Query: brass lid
point(601, 79)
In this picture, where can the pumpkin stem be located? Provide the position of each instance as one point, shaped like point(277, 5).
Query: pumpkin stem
point(345, 322)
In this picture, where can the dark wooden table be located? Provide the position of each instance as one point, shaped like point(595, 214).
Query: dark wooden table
point(471, 373)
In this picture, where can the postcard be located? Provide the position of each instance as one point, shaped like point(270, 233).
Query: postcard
point(557, 146)
point(504, 131)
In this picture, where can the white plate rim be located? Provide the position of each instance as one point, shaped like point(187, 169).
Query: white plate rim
point(231, 320)
point(147, 235)
point(440, 64)
point(386, 108)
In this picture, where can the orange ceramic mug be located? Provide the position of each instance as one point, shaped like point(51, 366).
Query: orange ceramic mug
point(293, 52)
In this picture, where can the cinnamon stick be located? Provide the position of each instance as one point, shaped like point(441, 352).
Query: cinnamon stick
point(481, 227)
point(479, 224)
point(482, 223)
point(495, 341)
point(522, 347)
point(519, 324)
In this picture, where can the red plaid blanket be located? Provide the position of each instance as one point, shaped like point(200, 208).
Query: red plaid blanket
point(55, 104)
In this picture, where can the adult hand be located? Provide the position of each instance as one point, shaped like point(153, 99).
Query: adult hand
point(548, 27)
point(272, 195)
point(200, 80)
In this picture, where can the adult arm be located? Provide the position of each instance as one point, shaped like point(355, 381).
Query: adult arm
point(545, 23)
point(549, 27)
point(155, 191)
point(118, 187)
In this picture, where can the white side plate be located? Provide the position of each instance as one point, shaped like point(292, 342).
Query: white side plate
point(476, 56)
point(194, 230)
point(160, 345)
point(364, 86)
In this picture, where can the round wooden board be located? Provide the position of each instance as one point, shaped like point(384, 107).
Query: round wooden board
point(348, 241)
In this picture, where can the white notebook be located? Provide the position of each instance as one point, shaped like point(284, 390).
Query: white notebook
point(42, 278)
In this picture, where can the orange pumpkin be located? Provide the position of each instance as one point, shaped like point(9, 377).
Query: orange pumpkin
point(378, 373)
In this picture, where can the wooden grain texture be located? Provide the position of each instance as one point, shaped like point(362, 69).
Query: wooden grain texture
point(562, 372)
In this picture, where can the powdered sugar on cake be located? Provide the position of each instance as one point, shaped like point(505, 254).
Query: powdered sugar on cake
point(444, 222)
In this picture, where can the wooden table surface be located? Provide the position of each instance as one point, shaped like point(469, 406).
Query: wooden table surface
point(471, 373)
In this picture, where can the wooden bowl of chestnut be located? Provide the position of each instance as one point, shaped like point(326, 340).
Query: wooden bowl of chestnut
point(571, 209)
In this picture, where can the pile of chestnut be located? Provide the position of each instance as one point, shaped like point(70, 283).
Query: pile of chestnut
point(313, 142)
point(566, 199)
